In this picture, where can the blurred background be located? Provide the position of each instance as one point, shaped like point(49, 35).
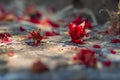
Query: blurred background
point(18, 6)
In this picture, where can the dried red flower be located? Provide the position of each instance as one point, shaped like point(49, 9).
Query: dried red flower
point(39, 67)
point(116, 41)
point(86, 57)
point(77, 32)
point(36, 36)
point(96, 46)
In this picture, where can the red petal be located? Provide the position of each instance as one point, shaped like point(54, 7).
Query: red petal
point(107, 63)
point(113, 52)
point(36, 21)
point(53, 24)
point(51, 33)
point(96, 46)
point(116, 41)
point(22, 29)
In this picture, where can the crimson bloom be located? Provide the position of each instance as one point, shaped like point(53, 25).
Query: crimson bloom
point(77, 31)
point(86, 57)
point(36, 36)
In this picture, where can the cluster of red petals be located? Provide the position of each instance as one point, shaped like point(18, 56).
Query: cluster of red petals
point(36, 36)
point(5, 37)
point(51, 33)
point(86, 57)
point(116, 41)
point(96, 46)
point(53, 24)
point(77, 31)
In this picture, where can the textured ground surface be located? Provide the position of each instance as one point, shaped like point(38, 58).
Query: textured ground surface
point(56, 52)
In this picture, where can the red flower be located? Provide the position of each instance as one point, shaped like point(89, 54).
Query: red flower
point(116, 41)
point(53, 24)
point(86, 57)
point(36, 36)
point(22, 29)
point(96, 46)
point(77, 32)
point(113, 52)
